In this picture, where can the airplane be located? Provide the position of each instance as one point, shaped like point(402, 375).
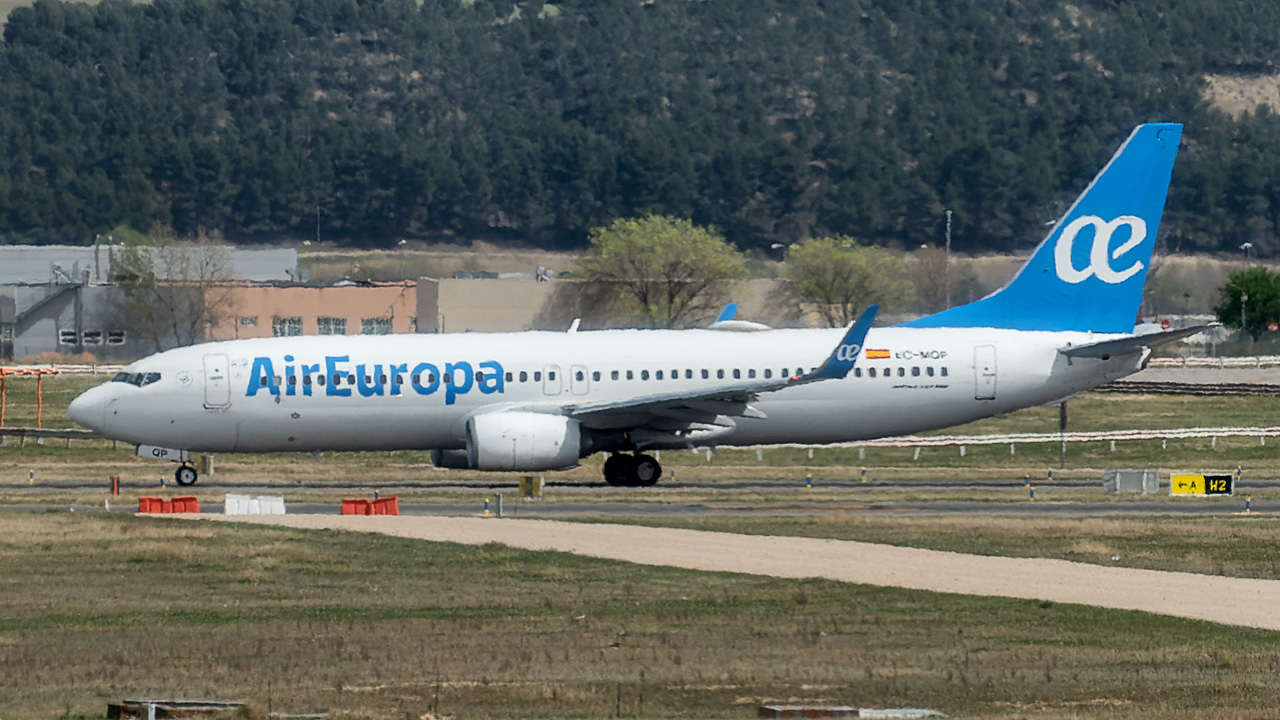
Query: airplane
point(540, 401)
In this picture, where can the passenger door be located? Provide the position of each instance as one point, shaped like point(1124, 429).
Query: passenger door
point(984, 372)
point(217, 382)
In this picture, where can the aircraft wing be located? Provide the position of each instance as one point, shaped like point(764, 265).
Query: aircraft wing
point(1106, 349)
point(731, 399)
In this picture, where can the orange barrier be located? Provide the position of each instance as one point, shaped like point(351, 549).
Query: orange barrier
point(355, 506)
point(360, 506)
point(155, 505)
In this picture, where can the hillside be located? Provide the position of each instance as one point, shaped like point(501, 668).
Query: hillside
point(365, 121)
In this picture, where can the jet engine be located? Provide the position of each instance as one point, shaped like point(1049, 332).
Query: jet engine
point(516, 441)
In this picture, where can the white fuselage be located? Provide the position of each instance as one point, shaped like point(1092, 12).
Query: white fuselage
point(279, 394)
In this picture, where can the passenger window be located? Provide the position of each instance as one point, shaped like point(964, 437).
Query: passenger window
point(785, 373)
point(857, 372)
point(613, 375)
point(631, 375)
point(720, 374)
point(320, 380)
point(871, 372)
point(447, 377)
point(596, 376)
point(508, 377)
point(737, 374)
point(944, 372)
point(768, 373)
point(688, 374)
point(293, 379)
point(551, 376)
point(915, 372)
point(580, 376)
point(479, 376)
point(705, 374)
point(351, 379)
point(382, 379)
point(306, 379)
point(675, 374)
point(928, 371)
point(644, 374)
point(524, 376)
point(751, 373)
point(657, 375)
point(431, 378)
point(537, 376)
point(902, 372)
point(399, 379)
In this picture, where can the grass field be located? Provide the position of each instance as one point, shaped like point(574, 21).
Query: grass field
point(96, 608)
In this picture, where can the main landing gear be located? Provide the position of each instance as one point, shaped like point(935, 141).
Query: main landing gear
point(185, 475)
point(639, 470)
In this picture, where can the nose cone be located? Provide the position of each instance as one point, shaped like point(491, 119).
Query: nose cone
point(90, 408)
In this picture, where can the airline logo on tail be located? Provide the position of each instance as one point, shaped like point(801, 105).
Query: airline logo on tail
point(1088, 272)
point(1099, 264)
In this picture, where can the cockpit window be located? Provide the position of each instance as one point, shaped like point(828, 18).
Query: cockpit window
point(139, 379)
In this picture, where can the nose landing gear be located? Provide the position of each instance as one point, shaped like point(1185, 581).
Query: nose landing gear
point(185, 475)
point(639, 470)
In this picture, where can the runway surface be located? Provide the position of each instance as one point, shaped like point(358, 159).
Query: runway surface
point(1231, 601)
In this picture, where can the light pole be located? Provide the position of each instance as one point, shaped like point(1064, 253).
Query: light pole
point(1245, 247)
point(946, 263)
point(1244, 298)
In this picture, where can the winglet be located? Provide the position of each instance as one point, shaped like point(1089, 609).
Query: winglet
point(728, 312)
point(841, 360)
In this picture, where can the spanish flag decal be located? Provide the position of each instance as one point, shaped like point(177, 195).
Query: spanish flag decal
point(877, 354)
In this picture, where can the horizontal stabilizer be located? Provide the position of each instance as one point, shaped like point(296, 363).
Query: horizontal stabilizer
point(1107, 349)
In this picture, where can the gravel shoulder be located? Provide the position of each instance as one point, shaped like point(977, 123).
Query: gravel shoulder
point(1185, 595)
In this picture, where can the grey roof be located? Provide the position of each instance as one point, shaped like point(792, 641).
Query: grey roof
point(67, 264)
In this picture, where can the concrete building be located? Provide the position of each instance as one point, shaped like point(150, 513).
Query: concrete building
point(62, 319)
point(343, 309)
point(55, 299)
point(497, 305)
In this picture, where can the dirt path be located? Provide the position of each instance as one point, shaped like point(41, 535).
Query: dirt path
point(1232, 601)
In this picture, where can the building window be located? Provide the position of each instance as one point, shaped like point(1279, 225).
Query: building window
point(248, 322)
point(6, 333)
point(375, 326)
point(286, 326)
point(91, 337)
point(331, 325)
point(67, 337)
point(115, 337)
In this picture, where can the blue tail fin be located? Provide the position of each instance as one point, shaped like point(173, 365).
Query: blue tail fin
point(1088, 274)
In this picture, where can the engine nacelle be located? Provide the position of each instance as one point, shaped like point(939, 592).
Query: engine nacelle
point(523, 441)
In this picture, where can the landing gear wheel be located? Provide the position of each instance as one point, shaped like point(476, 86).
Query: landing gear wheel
point(645, 471)
point(186, 475)
point(617, 468)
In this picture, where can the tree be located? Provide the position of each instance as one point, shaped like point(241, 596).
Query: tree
point(1257, 291)
point(668, 272)
point(173, 291)
point(841, 278)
